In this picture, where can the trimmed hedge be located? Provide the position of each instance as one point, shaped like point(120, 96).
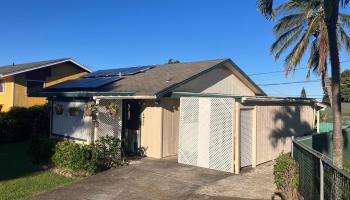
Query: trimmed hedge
point(20, 123)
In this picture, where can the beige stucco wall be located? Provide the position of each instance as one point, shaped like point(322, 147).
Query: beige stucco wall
point(170, 126)
point(219, 80)
point(151, 129)
point(276, 124)
point(160, 127)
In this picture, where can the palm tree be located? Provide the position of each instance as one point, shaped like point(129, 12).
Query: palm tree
point(329, 14)
point(302, 22)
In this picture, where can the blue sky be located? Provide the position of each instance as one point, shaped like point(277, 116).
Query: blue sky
point(105, 34)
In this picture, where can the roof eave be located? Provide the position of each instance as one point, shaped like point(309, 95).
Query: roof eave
point(46, 65)
point(259, 90)
point(81, 94)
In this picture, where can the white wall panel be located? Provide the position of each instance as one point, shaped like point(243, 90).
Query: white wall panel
point(78, 127)
point(206, 131)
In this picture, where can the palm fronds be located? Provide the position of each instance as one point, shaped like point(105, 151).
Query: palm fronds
point(266, 8)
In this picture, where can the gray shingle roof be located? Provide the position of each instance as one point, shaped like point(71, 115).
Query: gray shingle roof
point(158, 80)
point(18, 68)
point(154, 81)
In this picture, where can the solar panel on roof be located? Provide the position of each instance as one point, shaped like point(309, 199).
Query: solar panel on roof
point(85, 83)
point(118, 72)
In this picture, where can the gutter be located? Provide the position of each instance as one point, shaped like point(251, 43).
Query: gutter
point(125, 97)
point(277, 99)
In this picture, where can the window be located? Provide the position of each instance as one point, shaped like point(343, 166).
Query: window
point(2, 85)
point(34, 86)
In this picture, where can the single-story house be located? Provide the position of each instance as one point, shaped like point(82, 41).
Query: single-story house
point(18, 81)
point(208, 113)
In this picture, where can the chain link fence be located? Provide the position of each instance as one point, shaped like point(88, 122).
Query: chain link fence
point(318, 177)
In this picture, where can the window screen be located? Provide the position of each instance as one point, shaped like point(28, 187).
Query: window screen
point(34, 86)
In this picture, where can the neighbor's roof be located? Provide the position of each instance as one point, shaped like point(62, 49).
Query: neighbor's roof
point(13, 69)
point(157, 80)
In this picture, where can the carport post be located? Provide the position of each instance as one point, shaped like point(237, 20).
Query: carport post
point(236, 138)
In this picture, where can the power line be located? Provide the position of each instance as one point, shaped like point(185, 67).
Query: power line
point(273, 72)
point(288, 83)
point(280, 71)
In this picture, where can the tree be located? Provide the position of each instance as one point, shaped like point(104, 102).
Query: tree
point(345, 86)
point(303, 93)
point(172, 61)
point(303, 24)
point(330, 17)
point(325, 98)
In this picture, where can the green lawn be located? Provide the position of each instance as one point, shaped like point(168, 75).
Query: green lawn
point(19, 178)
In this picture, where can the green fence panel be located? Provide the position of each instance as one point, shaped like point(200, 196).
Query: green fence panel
point(323, 143)
point(336, 181)
point(309, 173)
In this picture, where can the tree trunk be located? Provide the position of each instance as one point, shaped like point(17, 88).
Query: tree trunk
point(328, 85)
point(331, 19)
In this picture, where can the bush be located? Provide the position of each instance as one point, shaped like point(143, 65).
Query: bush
point(76, 158)
point(109, 150)
point(20, 124)
point(79, 159)
point(286, 173)
point(41, 149)
point(346, 165)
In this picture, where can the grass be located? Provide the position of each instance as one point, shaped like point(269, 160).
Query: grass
point(19, 178)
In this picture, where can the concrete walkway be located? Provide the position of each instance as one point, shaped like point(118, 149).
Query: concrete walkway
point(164, 179)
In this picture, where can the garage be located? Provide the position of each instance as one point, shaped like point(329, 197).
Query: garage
point(230, 133)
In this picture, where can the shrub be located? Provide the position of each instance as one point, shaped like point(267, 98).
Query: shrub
point(76, 158)
point(109, 150)
point(346, 165)
point(286, 173)
point(41, 149)
point(81, 159)
point(20, 124)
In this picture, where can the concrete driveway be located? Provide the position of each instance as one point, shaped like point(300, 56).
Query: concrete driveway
point(164, 179)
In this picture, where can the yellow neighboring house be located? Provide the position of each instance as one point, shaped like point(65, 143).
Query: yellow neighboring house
point(19, 81)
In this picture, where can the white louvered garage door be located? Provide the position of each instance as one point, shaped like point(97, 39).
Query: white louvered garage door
point(246, 132)
point(206, 132)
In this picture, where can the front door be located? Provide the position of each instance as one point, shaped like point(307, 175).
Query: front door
point(131, 126)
